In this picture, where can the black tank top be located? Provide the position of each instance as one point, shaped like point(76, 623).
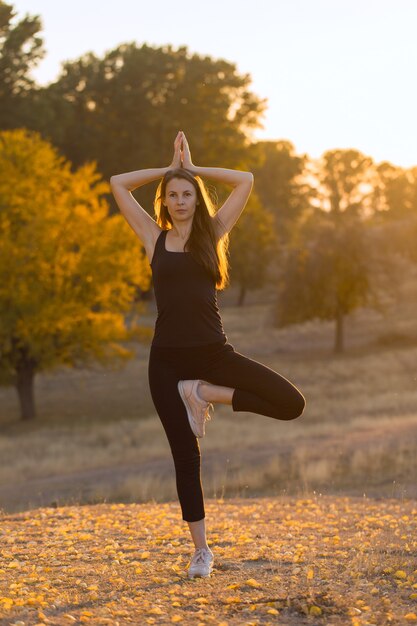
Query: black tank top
point(186, 300)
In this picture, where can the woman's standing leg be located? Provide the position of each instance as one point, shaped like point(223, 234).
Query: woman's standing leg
point(163, 381)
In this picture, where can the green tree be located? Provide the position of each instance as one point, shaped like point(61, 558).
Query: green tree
point(395, 215)
point(123, 110)
point(20, 50)
point(252, 245)
point(346, 178)
point(325, 274)
point(68, 271)
point(395, 191)
point(327, 269)
point(281, 182)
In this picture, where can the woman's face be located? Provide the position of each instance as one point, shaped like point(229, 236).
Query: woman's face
point(180, 199)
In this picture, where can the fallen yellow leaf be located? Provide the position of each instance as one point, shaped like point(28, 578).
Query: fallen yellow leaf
point(156, 610)
point(232, 599)
point(315, 610)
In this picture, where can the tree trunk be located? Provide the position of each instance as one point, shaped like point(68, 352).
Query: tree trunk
point(24, 383)
point(242, 294)
point(338, 346)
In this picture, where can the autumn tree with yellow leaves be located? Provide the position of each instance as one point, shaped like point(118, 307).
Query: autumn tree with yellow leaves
point(68, 271)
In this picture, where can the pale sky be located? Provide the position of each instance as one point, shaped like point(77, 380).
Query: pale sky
point(336, 73)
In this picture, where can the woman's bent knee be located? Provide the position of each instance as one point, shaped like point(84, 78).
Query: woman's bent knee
point(295, 409)
point(299, 406)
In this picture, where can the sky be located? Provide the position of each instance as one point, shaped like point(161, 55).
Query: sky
point(335, 73)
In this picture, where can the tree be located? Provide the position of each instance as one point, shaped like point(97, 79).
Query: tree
point(346, 178)
point(251, 247)
point(401, 236)
point(125, 109)
point(327, 267)
point(325, 274)
point(281, 182)
point(68, 271)
point(20, 50)
point(395, 191)
point(395, 198)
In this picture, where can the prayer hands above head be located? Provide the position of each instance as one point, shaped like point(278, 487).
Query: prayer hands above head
point(182, 154)
point(176, 160)
point(186, 154)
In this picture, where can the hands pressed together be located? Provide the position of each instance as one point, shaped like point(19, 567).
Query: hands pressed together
point(182, 154)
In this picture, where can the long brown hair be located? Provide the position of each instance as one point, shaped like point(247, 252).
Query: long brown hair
point(203, 244)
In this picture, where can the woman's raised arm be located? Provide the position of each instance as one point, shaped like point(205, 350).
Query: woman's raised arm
point(228, 214)
point(138, 219)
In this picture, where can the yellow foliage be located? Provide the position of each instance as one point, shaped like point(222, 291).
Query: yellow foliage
point(68, 270)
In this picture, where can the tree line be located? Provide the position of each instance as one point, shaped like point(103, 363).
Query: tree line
point(330, 234)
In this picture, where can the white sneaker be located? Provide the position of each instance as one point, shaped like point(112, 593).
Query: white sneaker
point(197, 408)
point(202, 563)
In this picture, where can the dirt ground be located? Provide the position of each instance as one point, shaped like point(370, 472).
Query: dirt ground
point(284, 560)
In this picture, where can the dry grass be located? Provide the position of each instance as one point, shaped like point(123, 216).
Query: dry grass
point(287, 561)
point(358, 433)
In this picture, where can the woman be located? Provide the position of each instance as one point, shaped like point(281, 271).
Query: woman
point(191, 363)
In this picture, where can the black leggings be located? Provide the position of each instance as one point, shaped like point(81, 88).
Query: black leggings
point(258, 389)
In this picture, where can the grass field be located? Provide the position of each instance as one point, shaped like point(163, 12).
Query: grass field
point(97, 436)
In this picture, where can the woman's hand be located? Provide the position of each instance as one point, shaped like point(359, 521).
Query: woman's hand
point(186, 154)
point(176, 160)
